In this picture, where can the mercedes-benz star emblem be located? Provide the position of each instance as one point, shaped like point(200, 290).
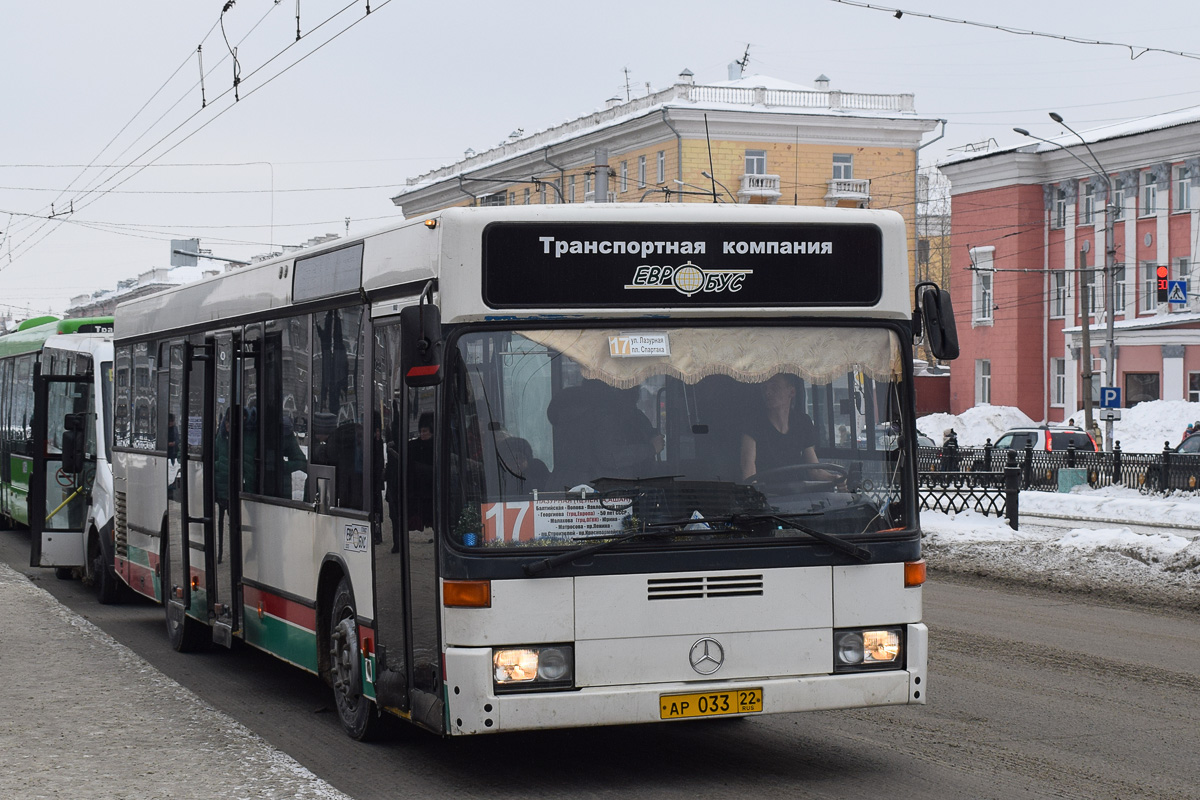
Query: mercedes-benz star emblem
point(707, 655)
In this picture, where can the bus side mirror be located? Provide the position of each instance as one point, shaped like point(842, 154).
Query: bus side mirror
point(74, 442)
point(935, 315)
point(421, 344)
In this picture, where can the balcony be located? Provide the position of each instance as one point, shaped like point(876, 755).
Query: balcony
point(765, 186)
point(850, 190)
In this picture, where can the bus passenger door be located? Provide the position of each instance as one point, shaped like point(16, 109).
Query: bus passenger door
point(223, 470)
point(408, 673)
point(64, 468)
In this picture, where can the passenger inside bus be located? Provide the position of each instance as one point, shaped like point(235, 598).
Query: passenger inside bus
point(600, 432)
point(525, 473)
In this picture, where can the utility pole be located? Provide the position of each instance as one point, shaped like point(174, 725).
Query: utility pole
point(1085, 307)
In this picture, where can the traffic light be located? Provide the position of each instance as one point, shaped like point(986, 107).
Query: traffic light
point(1163, 275)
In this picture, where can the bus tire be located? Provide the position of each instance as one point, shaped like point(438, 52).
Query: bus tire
point(104, 580)
point(356, 713)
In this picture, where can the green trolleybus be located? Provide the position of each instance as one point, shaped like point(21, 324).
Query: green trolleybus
point(538, 467)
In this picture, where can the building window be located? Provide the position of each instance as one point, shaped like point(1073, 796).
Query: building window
point(624, 176)
point(527, 195)
point(1058, 294)
point(587, 183)
point(1149, 195)
point(571, 190)
point(1087, 214)
point(1140, 387)
point(542, 193)
point(1088, 294)
point(496, 199)
point(1118, 203)
point(1149, 286)
point(1183, 189)
point(756, 162)
point(641, 172)
point(1059, 217)
point(662, 166)
point(843, 167)
point(1194, 387)
point(981, 259)
point(983, 381)
point(1118, 276)
point(1058, 387)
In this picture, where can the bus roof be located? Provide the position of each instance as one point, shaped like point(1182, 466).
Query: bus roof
point(447, 246)
point(30, 339)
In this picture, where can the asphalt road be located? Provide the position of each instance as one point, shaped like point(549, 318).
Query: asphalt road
point(1032, 694)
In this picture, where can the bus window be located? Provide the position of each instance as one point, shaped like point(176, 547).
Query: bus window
point(338, 408)
point(664, 429)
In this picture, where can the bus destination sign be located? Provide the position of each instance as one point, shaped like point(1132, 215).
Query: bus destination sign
point(671, 264)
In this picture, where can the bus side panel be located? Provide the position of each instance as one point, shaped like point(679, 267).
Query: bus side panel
point(18, 489)
point(142, 478)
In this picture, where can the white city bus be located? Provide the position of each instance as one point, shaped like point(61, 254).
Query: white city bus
point(518, 468)
point(55, 404)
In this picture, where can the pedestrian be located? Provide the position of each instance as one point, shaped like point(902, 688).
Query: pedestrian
point(1097, 436)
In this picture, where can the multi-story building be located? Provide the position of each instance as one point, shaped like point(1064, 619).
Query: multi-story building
point(750, 140)
point(1030, 238)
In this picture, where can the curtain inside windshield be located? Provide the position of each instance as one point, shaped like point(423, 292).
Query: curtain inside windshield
point(567, 435)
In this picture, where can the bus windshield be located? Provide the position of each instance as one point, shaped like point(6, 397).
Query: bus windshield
point(568, 435)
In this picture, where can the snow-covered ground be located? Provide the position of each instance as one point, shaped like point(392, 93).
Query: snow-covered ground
point(1105, 559)
point(1141, 429)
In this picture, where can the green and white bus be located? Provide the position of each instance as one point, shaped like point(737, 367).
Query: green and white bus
point(55, 407)
point(518, 468)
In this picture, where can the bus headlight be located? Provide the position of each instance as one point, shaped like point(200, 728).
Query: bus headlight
point(872, 648)
point(531, 668)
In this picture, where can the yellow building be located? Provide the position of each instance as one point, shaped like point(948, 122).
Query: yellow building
point(751, 140)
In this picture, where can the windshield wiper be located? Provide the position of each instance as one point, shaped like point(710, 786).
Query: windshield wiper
point(544, 565)
point(849, 548)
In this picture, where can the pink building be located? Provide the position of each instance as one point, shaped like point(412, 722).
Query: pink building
point(1029, 228)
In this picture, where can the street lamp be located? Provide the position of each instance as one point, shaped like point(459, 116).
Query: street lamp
point(718, 183)
point(1110, 251)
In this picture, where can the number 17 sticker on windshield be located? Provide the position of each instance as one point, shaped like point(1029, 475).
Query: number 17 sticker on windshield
point(639, 345)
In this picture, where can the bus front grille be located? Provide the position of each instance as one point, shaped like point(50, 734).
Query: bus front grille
point(704, 587)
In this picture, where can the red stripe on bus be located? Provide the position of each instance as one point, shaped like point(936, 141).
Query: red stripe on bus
point(280, 607)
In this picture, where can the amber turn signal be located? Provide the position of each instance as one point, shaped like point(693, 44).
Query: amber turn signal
point(467, 594)
point(914, 573)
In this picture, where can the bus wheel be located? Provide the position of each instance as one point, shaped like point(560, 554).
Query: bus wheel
point(345, 670)
point(104, 579)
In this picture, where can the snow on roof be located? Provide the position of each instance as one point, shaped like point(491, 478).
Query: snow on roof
point(1116, 130)
point(758, 94)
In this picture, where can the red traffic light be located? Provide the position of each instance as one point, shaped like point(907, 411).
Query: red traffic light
point(1163, 273)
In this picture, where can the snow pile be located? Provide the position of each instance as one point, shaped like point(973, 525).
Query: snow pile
point(1141, 429)
point(1159, 568)
point(975, 425)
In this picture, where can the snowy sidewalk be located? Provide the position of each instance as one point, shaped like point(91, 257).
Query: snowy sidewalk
point(83, 716)
point(1118, 506)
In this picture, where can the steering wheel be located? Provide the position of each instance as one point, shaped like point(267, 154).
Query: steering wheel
point(800, 473)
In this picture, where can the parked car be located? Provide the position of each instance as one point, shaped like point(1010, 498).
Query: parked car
point(1047, 437)
point(1183, 468)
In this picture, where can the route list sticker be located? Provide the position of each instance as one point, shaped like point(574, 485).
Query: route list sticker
point(525, 520)
point(639, 345)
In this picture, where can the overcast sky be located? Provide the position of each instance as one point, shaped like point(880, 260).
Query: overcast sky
point(328, 127)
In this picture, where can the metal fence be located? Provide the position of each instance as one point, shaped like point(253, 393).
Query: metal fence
point(1041, 470)
point(990, 492)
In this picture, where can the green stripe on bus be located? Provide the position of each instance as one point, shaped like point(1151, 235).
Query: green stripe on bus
point(293, 644)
